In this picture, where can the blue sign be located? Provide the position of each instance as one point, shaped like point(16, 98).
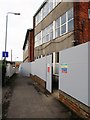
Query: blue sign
point(4, 54)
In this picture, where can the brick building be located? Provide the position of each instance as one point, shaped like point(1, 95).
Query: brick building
point(28, 47)
point(59, 25)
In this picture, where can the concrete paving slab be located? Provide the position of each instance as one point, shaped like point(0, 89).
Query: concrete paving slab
point(27, 102)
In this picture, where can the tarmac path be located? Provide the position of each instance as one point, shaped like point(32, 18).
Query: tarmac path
point(28, 102)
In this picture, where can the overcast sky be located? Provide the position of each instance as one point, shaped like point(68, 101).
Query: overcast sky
point(17, 25)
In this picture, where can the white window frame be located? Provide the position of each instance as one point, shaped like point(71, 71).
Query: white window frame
point(61, 25)
point(56, 28)
point(38, 40)
point(48, 30)
point(44, 12)
point(38, 17)
point(66, 23)
point(70, 19)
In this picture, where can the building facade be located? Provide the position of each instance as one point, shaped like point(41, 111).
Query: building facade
point(28, 47)
point(59, 25)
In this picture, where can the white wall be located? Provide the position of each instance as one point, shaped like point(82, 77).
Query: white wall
point(75, 81)
point(10, 70)
point(39, 67)
point(25, 69)
point(33, 68)
point(40, 70)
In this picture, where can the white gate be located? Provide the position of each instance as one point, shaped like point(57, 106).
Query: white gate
point(49, 74)
point(49, 78)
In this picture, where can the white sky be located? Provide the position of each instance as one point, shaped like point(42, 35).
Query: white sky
point(17, 25)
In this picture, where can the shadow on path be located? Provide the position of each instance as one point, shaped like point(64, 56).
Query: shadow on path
point(25, 100)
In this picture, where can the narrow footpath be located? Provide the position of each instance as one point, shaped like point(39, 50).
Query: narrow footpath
point(28, 102)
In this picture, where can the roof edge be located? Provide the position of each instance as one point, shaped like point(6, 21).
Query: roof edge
point(40, 7)
point(28, 30)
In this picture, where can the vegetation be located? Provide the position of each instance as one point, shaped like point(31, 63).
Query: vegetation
point(3, 71)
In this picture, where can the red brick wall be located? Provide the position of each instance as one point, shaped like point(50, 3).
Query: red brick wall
point(81, 22)
point(79, 108)
point(31, 46)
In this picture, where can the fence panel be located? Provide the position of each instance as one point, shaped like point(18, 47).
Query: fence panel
point(25, 69)
point(38, 67)
point(73, 72)
point(33, 68)
point(10, 70)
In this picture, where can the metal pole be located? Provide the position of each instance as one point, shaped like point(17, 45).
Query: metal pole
point(11, 55)
point(6, 29)
point(6, 33)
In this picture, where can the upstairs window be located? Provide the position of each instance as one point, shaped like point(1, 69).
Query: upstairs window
point(64, 23)
point(38, 40)
point(57, 27)
point(70, 20)
point(56, 2)
point(47, 8)
point(48, 33)
point(38, 18)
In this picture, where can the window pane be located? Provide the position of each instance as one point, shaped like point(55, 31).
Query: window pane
point(50, 5)
point(70, 14)
point(38, 18)
point(63, 19)
point(38, 39)
point(48, 33)
point(63, 29)
point(58, 23)
point(44, 39)
point(47, 37)
point(57, 2)
point(57, 32)
point(51, 35)
point(71, 25)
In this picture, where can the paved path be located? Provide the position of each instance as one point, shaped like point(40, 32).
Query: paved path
point(27, 102)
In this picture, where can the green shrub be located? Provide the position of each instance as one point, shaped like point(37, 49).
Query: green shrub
point(3, 71)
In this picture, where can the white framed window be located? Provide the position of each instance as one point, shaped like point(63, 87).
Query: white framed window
point(38, 40)
point(70, 20)
point(47, 8)
point(64, 23)
point(50, 5)
point(44, 36)
point(56, 2)
point(63, 29)
point(47, 33)
point(57, 27)
point(70, 25)
point(38, 18)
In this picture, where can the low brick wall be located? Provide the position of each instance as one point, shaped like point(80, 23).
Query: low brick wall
point(38, 80)
point(79, 108)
